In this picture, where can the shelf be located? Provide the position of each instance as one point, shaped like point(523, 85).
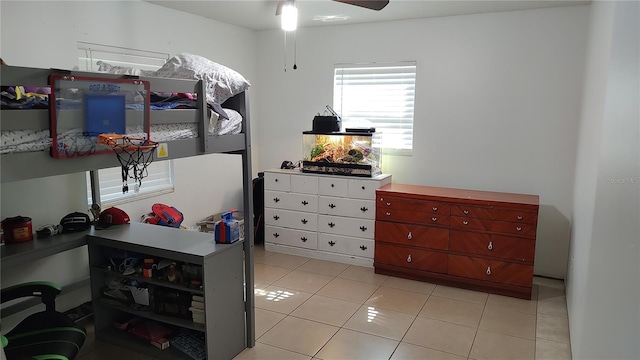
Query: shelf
point(151, 281)
point(131, 342)
point(14, 255)
point(171, 320)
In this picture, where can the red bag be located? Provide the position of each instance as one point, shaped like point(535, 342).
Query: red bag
point(164, 215)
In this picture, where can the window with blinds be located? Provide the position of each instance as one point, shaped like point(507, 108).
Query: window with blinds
point(160, 173)
point(380, 96)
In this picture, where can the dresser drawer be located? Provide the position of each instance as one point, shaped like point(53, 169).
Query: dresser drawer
point(412, 258)
point(413, 235)
point(346, 245)
point(291, 201)
point(277, 181)
point(491, 270)
point(516, 216)
point(472, 211)
point(364, 209)
point(333, 186)
point(363, 228)
point(362, 189)
point(504, 247)
point(304, 184)
point(514, 228)
point(412, 217)
point(471, 223)
point(389, 202)
point(291, 237)
point(291, 219)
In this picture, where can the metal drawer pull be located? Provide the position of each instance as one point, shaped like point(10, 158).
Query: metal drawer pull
point(276, 217)
point(363, 248)
point(519, 217)
point(331, 224)
point(364, 209)
point(388, 214)
point(332, 185)
point(409, 258)
point(363, 228)
point(305, 203)
point(466, 212)
point(332, 206)
point(303, 239)
point(276, 199)
point(363, 187)
point(304, 221)
point(518, 228)
point(276, 235)
point(409, 236)
point(331, 243)
point(435, 208)
point(465, 222)
point(488, 270)
point(276, 180)
point(388, 204)
point(490, 247)
point(434, 219)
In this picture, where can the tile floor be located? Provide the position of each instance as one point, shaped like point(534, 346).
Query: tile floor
point(313, 309)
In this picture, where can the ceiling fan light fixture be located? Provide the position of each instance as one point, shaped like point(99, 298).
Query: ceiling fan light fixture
point(289, 16)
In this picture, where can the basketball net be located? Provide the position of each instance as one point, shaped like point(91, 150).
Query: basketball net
point(134, 154)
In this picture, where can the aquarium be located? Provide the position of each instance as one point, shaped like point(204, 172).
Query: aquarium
point(341, 153)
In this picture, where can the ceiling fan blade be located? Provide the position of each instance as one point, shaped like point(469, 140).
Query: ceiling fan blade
point(279, 7)
point(368, 4)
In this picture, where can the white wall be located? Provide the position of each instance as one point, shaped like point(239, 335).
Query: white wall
point(45, 34)
point(603, 287)
point(497, 103)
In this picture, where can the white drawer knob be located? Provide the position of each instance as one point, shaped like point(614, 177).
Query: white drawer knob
point(490, 247)
point(466, 212)
point(388, 213)
point(519, 217)
point(465, 222)
point(388, 204)
point(434, 219)
point(488, 270)
point(518, 228)
point(409, 236)
point(409, 258)
point(435, 208)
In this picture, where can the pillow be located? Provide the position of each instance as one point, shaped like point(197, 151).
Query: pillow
point(222, 82)
point(121, 70)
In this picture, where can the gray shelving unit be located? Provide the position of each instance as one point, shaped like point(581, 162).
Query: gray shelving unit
point(222, 279)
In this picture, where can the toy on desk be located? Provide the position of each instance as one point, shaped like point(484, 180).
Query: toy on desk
point(164, 215)
point(227, 229)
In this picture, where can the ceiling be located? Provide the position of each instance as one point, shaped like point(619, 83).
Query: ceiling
point(260, 14)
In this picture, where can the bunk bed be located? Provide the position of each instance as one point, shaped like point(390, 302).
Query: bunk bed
point(39, 162)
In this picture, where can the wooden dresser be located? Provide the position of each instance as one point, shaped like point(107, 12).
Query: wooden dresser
point(477, 240)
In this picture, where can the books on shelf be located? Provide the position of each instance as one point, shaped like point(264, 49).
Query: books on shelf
point(197, 309)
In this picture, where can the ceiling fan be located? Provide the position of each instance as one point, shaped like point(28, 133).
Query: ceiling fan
point(367, 4)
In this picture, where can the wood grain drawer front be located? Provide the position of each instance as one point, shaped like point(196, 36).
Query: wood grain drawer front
point(364, 209)
point(516, 216)
point(362, 189)
point(472, 211)
point(412, 217)
point(346, 245)
point(275, 181)
point(471, 223)
point(291, 201)
point(514, 228)
point(413, 235)
point(363, 228)
point(491, 270)
point(304, 184)
point(504, 247)
point(389, 202)
point(291, 219)
point(409, 257)
point(333, 186)
point(291, 237)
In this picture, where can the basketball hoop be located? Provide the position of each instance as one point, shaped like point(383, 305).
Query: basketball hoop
point(134, 154)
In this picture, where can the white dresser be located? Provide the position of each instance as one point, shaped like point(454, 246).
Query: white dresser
point(328, 217)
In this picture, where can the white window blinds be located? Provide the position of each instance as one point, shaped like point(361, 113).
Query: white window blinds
point(380, 96)
point(160, 173)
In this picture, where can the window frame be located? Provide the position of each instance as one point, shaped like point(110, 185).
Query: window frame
point(400, 122)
